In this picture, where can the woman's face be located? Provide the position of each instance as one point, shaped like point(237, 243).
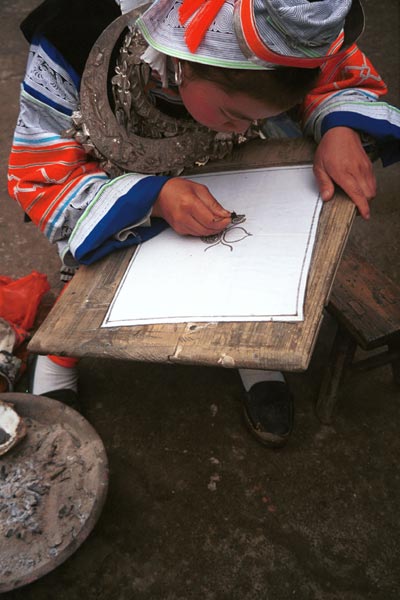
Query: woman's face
point(212, 106)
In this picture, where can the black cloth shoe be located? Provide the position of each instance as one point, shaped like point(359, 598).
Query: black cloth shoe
point(268, 411)
point(68, 397)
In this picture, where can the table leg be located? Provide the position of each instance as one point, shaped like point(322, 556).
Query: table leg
point(342, 353)
point(394, 346)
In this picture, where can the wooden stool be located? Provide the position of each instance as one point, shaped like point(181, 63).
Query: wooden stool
point(366, 306)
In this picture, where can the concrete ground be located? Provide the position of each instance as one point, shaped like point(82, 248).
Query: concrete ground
point(317, 520)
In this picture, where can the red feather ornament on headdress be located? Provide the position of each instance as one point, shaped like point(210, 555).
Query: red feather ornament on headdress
point(198, 26)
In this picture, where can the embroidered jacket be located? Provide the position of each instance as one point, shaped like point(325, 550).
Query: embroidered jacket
point(74, 202)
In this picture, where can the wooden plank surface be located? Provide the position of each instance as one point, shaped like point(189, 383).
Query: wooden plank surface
point(73, 327)
point(365, 301)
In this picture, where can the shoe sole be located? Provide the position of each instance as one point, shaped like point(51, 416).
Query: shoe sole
point(269, 440)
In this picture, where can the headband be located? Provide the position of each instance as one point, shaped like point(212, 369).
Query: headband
point(253, 34)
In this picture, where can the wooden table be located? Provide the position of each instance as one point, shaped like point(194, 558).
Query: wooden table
point(73, 327)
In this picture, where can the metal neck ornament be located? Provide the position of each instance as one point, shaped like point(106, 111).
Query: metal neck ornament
point(134, 136)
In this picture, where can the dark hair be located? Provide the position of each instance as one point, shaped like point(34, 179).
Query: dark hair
point(284, 87)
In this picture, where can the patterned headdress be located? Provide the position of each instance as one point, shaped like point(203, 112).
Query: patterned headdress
point(253, 34)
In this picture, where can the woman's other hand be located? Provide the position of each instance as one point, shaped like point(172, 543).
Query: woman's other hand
point(341, 159)
point(190, 209)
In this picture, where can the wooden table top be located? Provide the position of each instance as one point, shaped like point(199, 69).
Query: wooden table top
point(73, 327)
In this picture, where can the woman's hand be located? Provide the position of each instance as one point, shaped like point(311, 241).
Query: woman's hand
point(190, 209)
point(341, 159)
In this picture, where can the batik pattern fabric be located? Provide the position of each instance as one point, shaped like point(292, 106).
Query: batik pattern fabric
point(347, 94)
point(65, 193)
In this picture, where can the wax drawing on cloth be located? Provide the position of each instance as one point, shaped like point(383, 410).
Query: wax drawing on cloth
point(230, 235)
point(256, 270)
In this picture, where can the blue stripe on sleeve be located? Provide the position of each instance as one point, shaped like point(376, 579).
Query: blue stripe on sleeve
point(58, 58)
point(387, 134)
point(130, 208)
point(143, 234)
point(46, 100)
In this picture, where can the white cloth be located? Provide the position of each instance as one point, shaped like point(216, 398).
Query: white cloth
point(50, 377)
point(127, 5)
point(157, 61)
point(250, 377)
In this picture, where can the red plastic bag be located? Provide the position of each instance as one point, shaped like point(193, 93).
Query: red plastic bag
point(20, 298)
